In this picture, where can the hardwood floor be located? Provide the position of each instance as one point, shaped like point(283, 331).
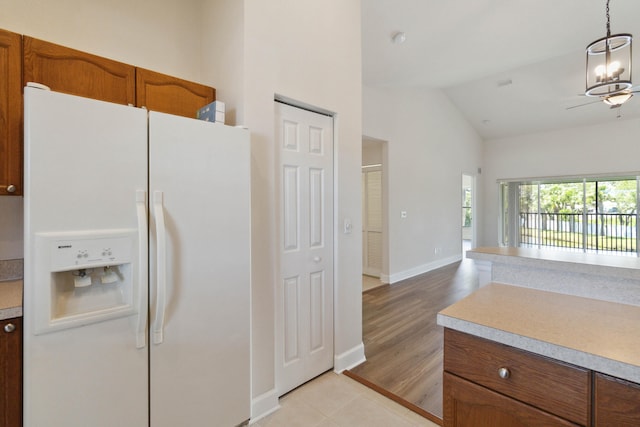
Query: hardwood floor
point(403, 343)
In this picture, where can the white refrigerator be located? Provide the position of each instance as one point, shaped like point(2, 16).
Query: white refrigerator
point(137, 267)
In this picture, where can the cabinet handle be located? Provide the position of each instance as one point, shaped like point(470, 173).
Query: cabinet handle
point(504, 373)
point(11, 188)
point(9, 327)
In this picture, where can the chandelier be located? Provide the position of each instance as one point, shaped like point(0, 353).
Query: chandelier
point(609, 67)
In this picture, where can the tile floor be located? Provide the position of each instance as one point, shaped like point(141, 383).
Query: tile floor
point(334, 400)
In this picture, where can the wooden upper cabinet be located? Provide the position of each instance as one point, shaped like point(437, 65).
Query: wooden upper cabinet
point(166, 94)
point(10, 113)
point(78, 73)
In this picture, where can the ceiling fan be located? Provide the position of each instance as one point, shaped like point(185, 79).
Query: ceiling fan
point(615, 100)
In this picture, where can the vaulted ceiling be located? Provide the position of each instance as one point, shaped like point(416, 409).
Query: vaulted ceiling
point(510, 66)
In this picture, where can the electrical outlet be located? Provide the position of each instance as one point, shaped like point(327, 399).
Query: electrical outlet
point(403, 214)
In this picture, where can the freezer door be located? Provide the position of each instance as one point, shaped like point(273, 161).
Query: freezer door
point(200, 231)
point(85, 164)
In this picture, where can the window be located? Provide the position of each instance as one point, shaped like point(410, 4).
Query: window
point(588, 214)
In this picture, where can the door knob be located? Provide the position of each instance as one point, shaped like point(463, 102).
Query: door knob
point(317, 259)
point(9, 327)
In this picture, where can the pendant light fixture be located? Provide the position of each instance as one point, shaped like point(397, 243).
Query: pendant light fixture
point(609, 66)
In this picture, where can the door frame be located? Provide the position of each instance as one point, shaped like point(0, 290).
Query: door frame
point(278, 98)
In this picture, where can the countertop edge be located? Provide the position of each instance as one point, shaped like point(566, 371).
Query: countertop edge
point(577, 265)
point(586, 360)
point(10, 313)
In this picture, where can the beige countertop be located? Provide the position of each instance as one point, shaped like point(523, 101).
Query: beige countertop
point(10, 299)
point(598, 335)
point(579, 260)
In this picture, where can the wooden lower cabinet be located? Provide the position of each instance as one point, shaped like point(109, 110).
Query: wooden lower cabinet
point(616, 402)
point(494, 385)
point(469, 405)
point(11, 372)
point(487, 384)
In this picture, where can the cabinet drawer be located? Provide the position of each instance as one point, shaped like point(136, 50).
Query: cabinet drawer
point(552, 386)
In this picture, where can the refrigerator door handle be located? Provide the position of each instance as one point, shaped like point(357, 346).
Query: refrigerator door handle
point(141, 211)
point(161, 266)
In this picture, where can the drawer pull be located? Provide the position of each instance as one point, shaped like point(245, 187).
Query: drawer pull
point(504, 373)
point(9, 327)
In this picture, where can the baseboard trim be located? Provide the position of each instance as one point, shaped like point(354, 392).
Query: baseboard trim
point(349, 359)
point(424, 268)
point(264, 405)
point(386, 393)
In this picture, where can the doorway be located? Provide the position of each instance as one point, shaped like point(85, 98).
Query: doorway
point(374, 202)
point(372, 220)
point(304, 291)
point(468, 220)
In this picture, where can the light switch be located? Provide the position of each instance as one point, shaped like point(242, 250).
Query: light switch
point(403, 214)
point(347, 226)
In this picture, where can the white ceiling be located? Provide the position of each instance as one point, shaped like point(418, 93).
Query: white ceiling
point(472, 48)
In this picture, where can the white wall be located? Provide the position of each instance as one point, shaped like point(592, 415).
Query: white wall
point(599, 149)
point(430, 146)
point(308, 51)
point(223, 52)
point(11, 228)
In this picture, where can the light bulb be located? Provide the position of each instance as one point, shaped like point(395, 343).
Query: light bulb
point(613, 68)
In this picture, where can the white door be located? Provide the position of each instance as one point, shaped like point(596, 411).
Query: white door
point(199, 181)
point(304, 304)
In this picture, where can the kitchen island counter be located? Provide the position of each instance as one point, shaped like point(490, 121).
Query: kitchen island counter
point(10, 299)
point(595, 334)
point(612, 278)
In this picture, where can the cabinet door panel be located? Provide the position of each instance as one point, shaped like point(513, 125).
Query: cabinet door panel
point(617, 402)
point(171, 95)
point(10, 114)
point(78, 73)
point(11, 372)
point(469, 405)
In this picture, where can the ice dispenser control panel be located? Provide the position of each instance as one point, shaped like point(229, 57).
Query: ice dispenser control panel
point(90, 252)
